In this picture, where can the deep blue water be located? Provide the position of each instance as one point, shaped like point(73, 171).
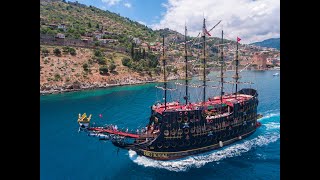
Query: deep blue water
point(67, 154)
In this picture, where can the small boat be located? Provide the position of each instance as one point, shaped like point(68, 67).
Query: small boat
point(276, 74)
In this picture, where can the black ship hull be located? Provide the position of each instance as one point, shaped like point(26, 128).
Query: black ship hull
point(197, 130)
point(163, 156)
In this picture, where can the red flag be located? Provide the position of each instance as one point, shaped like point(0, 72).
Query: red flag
point(238, 39)
point(205, 31)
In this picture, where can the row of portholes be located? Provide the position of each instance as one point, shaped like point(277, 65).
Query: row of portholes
point(200, 141)
point(185, 143)
point(173, 132)
point(197, 130)
point(192, 130)
point(194, 118)
point(185, 113)
point(180, 119)
point(186, 119)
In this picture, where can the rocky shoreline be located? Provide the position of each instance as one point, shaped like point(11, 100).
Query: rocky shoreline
point(55, 89)
point(86, 86)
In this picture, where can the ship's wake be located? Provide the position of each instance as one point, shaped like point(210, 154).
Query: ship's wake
point(268, 135)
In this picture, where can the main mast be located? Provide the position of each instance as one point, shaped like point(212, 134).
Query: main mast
point(186, 61)
point(237, 63)
point(204, 60)
point(164, 74)
point(222, 63)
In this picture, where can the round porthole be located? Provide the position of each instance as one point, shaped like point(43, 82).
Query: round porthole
point(166, 132)
point(192, 130)
point(185, 119)
point(193, 141)
point(180, 143)
point(204, 140)
point(186, 131)
point(173, 144)
point(166, 144)
point(173, 132)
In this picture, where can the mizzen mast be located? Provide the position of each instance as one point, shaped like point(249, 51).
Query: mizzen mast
point(186, 61)
point(204, 60)
point(222, 63)
point(164, 75)
point(236, 77)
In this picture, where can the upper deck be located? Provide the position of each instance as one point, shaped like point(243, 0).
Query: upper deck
point(229, 100)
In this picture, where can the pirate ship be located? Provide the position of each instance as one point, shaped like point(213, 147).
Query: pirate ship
point(177, 130)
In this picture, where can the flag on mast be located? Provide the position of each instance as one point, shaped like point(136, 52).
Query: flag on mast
point(238, 39)
point(206, 32)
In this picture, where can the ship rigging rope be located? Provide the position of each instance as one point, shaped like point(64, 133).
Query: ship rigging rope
point(168, 89)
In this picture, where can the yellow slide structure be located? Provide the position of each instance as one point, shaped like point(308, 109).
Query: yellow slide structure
point(84, 118)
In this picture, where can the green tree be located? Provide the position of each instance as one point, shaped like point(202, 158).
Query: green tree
point(72, 51)
point(57, 52)
point(144, 54)
point(97, 26)
point(98, 53)
point(101, 60)
point(132, 50)
point(112, 67)
point(126, 62)
point(57, 77)
point(89, 25)
point(85, 67)
point(103, 70)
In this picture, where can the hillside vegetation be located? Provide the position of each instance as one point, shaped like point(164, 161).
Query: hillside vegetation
point(270, 43)
point(81, 20)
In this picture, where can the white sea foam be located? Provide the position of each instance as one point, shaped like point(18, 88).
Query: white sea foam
point(269, 115)
point(202, 159)
point(272, 125)
point(217, 155)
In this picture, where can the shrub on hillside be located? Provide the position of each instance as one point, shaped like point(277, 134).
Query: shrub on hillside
point(45, 51)
point(103, 70)
point(57, 52)
point(126, 62)
point(98, 53)
point(101, 60)
point(85, 67)
point(57, 77)
point(72, 51)
point(112, 67)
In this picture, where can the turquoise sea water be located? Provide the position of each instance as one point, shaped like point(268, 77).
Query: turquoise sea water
point(67, 154)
